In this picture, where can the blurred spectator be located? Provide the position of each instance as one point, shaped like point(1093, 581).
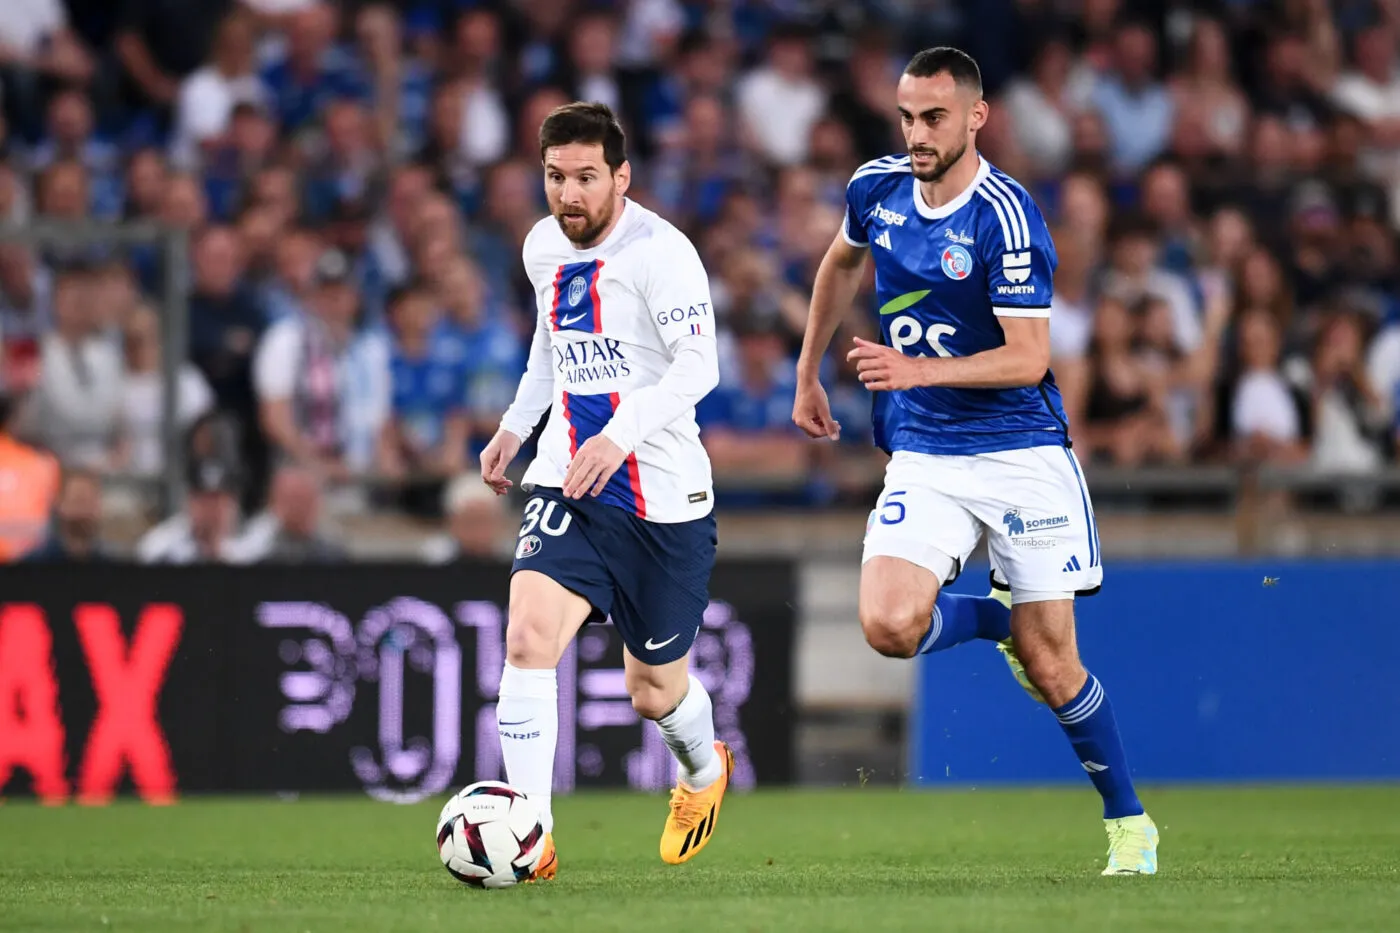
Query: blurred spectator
point(344, 170)
point(1072, 319)
point(143, 394)
point(207, 98)
point(862, 101)
point(75, 408)
point(75, 534)
point(1125, 410)
point(146, 178)
point(288, 532)
point(1137, 110)
point(206, 531)
point(480, 334)
point(1206, 86)
point(225, 323)
point(1265, 423)
point(747, 424)
point(389, 235)
point(29, 481)
point(780, 101)
point(592, 44)
point(322, 384)
point(160, 42)
point(314, 69)
point(478, 526)
point(427, 432)
point(477, 63)
point(1133, 275)
point(36, 45)
point(70, 136)
point(1041, 106)
point(1350, 427)
point(1371, 93)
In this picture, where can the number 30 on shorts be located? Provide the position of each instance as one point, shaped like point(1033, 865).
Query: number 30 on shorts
point(541, 512)
point(892, 512)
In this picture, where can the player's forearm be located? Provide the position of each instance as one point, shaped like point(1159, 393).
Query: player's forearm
point(1003, 368)
point(693, 372)
point(536, 391)
point(833, 292)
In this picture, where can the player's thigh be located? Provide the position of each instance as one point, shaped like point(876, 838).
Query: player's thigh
point(1040, 523)
point(558, 582)
point(663, 586)
point(917, 539)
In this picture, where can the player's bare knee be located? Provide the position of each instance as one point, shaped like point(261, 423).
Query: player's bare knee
point(894, 631)
point(532, 639)
point(1054, 668)
point(652, 701)
point(655, 691)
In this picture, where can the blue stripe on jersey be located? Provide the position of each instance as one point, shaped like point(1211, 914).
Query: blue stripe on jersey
point(1090, 528)
point(575, 304)
point(587, 415)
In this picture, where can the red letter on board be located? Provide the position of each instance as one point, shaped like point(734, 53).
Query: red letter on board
point(127, 684)
point(31, 734)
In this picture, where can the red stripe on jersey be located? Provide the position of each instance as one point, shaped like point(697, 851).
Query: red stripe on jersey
point(568, 419)
point(634, 473)
point(554, 303)
point(597, 304)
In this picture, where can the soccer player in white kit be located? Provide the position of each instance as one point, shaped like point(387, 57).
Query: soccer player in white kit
point(966, 405)
point(619, 520)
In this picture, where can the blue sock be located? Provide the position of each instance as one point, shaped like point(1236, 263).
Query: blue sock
point(958, 618)
point(1092, 730)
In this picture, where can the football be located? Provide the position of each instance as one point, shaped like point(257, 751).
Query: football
point(489, 836)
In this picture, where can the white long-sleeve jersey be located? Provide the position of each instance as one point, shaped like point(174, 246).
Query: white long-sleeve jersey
point(624, 346)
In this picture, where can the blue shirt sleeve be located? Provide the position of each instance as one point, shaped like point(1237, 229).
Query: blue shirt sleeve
point(853, 226)
point(1018, 251)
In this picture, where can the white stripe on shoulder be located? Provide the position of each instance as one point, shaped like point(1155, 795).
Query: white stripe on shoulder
point(1016, 238)
point(1005, 185)
point(883, 166)
point(997, 206)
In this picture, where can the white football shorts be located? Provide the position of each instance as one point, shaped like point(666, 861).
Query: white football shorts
point(1033, 504)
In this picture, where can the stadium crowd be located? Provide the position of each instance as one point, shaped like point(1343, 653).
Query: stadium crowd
point(1222, 180)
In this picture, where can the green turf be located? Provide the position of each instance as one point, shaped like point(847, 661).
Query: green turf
point(859, 860)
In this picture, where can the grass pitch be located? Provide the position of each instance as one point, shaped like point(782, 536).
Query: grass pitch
point(1277, 859)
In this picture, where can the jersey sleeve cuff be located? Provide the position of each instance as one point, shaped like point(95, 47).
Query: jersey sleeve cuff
point(1013, 311)
point(846, 235)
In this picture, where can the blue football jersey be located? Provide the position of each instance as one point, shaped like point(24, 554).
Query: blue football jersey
point(943, 277)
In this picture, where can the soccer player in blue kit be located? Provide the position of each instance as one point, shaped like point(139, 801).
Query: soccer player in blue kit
point(967, 408)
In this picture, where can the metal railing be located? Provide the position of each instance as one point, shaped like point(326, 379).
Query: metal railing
point(174, 311)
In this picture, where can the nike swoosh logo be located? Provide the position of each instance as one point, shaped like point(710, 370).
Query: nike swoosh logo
point(520, 723)
point(566, 321)
point(900, 302)
point(657, 647)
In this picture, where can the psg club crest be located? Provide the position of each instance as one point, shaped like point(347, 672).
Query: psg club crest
point(529, 546)
point(576, 287)
point(957, 262)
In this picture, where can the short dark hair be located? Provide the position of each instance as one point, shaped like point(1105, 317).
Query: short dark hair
point(961, 66)
point(584, 122)
point(415, 287)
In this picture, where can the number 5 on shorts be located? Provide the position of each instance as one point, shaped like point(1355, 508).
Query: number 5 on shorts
point(892, 502)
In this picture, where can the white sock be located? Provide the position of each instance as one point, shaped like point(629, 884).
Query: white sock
point(527, 719)
point(689, 731)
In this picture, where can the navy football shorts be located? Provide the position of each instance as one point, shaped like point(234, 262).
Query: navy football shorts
point(652, 578)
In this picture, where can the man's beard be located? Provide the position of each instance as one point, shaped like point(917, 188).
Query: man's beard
point(940, 165)
point(591, 229)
